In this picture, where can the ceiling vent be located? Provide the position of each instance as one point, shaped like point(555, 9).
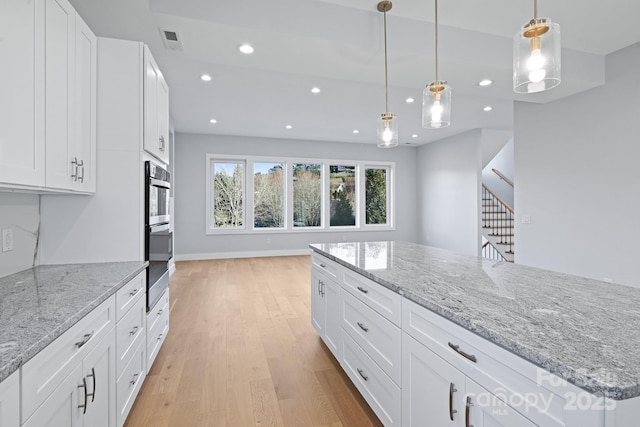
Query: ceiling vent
point(171, 39)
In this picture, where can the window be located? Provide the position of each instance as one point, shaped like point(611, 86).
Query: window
point(250, 194)
point(375, 195)
point(268, 195)
point(307, 195)
point(228, 195)
point(342, 191)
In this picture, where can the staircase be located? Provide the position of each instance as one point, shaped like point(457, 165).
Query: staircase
point(497, 227)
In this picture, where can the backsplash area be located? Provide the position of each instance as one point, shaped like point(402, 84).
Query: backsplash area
point(21, 214)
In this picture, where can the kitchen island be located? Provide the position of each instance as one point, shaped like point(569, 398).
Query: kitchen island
point(566, 333)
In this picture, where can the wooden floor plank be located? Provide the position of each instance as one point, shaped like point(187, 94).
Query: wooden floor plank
point(241, 351)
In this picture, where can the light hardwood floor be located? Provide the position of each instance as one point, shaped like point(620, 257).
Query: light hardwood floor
point(241, 351)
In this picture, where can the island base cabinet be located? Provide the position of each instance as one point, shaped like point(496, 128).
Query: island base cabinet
point(325, 310)
point(10, 401)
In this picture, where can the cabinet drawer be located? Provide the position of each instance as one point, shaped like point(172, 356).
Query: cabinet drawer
point(155, 314)
point(330, 268)
point(498, 370)
point(156, 338)
point(380, 338)
point(383, 300)
point(47, 369)
point(128, 295)
point(380, 392)
point(130, 333)
point(129, 384)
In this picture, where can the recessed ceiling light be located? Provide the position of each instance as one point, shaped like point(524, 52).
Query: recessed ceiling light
point(488, 108)
point(414, 135)
point(409, 100)
point(315, 90)
point(356, 131)
point(485, 82)
point(213, 121)
point(205, 78)
point(246, 49)
point(288, 126)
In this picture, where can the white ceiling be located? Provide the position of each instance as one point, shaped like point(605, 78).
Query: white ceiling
point(337, 45)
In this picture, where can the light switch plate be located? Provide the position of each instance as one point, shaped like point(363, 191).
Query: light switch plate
point(7, 239)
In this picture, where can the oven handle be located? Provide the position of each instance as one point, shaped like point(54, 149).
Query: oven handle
point(157, 228)
point(159, 183)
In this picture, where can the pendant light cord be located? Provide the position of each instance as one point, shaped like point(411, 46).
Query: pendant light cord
point(437, 40)
point(386, 81)
point(535, 9)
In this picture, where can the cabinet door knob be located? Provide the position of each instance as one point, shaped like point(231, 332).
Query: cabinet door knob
point(452, 411)
point(92, 375)
point(86, 396)
point(466, 412)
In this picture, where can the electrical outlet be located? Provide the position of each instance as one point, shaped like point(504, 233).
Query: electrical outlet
point(7, 239)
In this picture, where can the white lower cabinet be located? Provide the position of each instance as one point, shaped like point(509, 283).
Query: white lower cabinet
point(86, 397)
point(10, 401)
point(325, 309)
point(157, 328)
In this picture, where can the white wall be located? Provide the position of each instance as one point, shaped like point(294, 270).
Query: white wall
point(449, 192)
point(191, 242)
point(577, 173)
point(20, 212)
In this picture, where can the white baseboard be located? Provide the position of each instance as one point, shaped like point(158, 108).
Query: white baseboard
point(247, 254)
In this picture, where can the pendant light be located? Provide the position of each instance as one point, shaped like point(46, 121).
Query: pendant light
point(436, 97)
point(536, 55)
point(387, 123)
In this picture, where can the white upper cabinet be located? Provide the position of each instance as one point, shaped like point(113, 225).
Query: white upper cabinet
point(22, 95)
point(70, 73)
point(156, 110)
point(48, 103)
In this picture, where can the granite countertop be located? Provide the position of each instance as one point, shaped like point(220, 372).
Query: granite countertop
point(585, 331)
point(39, 304)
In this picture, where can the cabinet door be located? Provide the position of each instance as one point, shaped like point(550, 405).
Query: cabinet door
point(83, 143)
point(163, 119)
point(484, 409)
point(151, 78)
point(60, 20)
point(64, 406)
point(21, 89)
point(100, 374)
point(318, 311)
point(333, 304)
point(10, 401)
point(433, 391)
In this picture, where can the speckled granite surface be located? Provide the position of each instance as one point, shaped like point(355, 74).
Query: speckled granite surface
point(583, 330)
point(39, 304)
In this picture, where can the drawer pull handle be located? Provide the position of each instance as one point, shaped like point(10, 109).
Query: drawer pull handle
point(159, 337)
point(363, 290)
point(466, 412)
point(85, 339)
point(134, 379)
point(93, 375)
point(133, 293)
point(86, 396)
point(322, 265)
point(159, 312)
point(456, 348)
point(451, 410)
point(133, 331)
point(361, 372)
point(364, 328)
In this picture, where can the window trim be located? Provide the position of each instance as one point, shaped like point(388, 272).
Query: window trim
point(248, 188)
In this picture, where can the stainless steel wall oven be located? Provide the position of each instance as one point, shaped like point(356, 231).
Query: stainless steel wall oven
point(158, 236)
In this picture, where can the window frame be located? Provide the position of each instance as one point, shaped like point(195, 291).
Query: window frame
point(248, 189)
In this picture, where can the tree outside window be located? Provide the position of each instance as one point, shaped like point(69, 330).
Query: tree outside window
point(228, 190)
point(307, 200)
point(375, 195)
point(268, 198)
point(342, 191)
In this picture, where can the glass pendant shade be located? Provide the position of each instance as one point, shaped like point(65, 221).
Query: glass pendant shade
point(387, 131)
point(536, 56)
point(436, 105)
